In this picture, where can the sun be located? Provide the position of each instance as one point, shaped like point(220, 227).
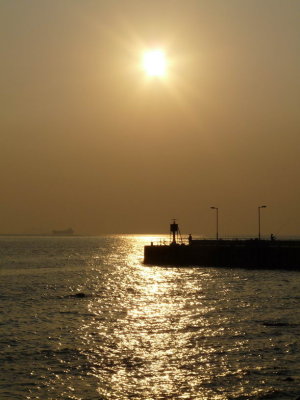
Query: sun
point(154, 63)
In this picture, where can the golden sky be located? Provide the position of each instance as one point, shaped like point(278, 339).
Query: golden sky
point(89, 141)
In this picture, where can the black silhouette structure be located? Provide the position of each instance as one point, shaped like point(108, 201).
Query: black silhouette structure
point(241, 253)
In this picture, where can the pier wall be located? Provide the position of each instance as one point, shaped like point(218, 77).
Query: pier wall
point(252, 254)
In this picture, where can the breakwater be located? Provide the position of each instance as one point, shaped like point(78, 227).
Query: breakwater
point(253, 253)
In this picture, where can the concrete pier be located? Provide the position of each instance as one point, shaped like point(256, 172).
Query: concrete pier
point(261, 254)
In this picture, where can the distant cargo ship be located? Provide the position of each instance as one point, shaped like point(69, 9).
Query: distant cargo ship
point(239, 253)
point(64, 232)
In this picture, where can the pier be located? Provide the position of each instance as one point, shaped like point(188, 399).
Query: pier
point(235, 253)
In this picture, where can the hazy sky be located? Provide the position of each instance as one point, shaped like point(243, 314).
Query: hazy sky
point(89, 142)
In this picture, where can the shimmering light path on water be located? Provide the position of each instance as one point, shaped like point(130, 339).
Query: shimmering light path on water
point(141, 332)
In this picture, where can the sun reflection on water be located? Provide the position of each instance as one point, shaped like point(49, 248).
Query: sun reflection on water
point(157, 333)
point(100, 325)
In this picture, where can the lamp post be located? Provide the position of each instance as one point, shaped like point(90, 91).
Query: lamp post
point(259, 207)
point(217, 221)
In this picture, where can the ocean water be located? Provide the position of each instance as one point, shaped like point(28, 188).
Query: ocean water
point(141, 332)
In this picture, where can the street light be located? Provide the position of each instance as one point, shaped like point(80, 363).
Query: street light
point(259, 207)
point(217, 221)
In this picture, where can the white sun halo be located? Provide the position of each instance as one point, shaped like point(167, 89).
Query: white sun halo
point(154, 63)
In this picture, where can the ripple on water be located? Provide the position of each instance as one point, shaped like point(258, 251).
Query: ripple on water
point(142, 332)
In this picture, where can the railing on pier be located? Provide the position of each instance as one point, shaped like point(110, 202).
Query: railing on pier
point(206, 240)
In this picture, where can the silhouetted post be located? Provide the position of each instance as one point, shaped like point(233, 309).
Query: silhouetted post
point(259, 207)
point(217, 221)
point(174, 231)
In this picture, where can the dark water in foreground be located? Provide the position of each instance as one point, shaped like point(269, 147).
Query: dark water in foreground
point(141, 332)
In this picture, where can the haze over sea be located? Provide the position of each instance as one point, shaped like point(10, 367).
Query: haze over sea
point(83, 318)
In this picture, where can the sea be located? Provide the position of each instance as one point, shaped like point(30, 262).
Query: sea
point(82, 318)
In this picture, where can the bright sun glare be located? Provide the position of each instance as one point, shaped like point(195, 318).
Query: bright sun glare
point(154, 63)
